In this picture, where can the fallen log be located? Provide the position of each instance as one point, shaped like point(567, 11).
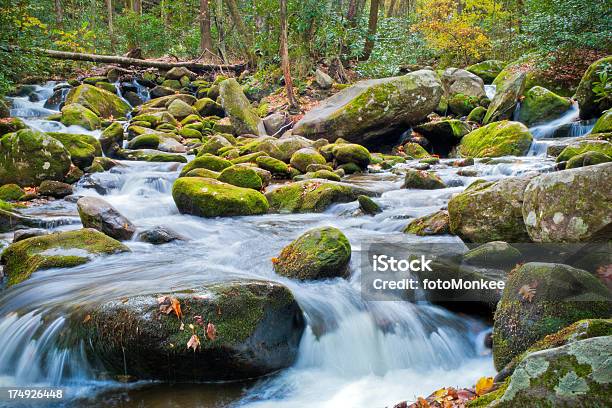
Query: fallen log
point(126, 61)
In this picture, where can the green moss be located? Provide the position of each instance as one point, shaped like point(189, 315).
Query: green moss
point(151, 156)
point(145, 141)
point(206, 161)
point(587, 159)
point(241, 176)
point(368, 206)
point(319, 253)
point(423, 180)
point(496, 139)
point(433, 224)
point(75, 114)
point(103, 103)
point(11, 192)
point(486, 399)
point(211, 198)
point(415, 151)
point(462, 105)
point(25, 257)
point(202, 173)
point(82, 148)
point(214, 144)
point(274, 166)
point(604, 123)
point(583, 146)
point(487, 70)
point(477, 114)
point(243, 118)
point(10, 125)
point(248, 158)
point(351, 153)
point(590, 104)
point(541, 105)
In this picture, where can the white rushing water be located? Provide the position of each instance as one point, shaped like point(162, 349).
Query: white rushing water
point(353, 353)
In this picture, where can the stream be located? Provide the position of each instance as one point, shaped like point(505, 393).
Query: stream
point(345, 357)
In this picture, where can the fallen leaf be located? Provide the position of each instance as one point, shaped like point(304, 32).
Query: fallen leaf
point(194, 342)
point(87, 318)
point(169, 304)
point(527, 292)
point(483, 385)
point(422, 403)
point(275, 260)
point(176, 306)
point(211, 331)
point(182, 326)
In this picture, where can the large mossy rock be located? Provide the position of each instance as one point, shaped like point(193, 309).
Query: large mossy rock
point(314, 195)
point(77, 115)
point(98, 214)
point(587, 159)
point(82, 148)
point(10, 125)
point(241, 176)
point(540, 299)
point(541, 105)
point(464, 91)
point(487, 70)
point(443, 134)
point(206, 161)
point(573, 375)
point(28, 157)
point(590, 103)
point(509, 90)
point(604, 123)
point(373, 108)
point(305, 157)
point(490, 211)
point(345, 153)
point(239, 110)
point(496, 139)
point(58, 250)
point(422, 180)
point(433, 224)
point(584, 146)
point(570, 205)
point(258, 326)
point(101, 102)
point(320, 253)
point(207, 197)
point(111, 139)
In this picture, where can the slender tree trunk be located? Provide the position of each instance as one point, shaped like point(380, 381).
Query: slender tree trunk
point(372, 27)
point(242, 30)
point(351, 15)
point(59, 13)
point(205, 35)
point(284, 54)
point(111, 31)
point(137, 6)
point(221, 33)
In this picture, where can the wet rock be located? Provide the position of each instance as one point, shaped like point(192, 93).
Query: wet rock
point(305, 157)
point(464, 91)
point(214, 144)
point(497, 254)
point(274, 123)
point(496, 139)
point(443, 134)
point(415, 151)
point(320, 253)
point(587, 159)
point(20, 235)
point(133, 98)
point(206, 161)
point(78, 115)
point(477, 114)
point(422, 180)
point(368, 206)
point(100, 215)
point(11, 219)
point(490, 211)
point(373, 108)
point(206, 197)
point(509, 90)
point(258, 327)
point(111, 139)
point(237, 107)
point(584, 146)
point(323, 80)
point(241, 176)
point(344, 153)
point(604, 123)
point(159, 235)
point(487, 70)
point(161, 91)
point(58, 250)
point(208, 107)
point(55, 189)
point(570, 205)
point(540, 299)
point(591, 105)
point(179, 72)
point(180, 109)
point(314, 195)
point(28, 157)
point(82, 148)
point(433, 224)
point(150, 155)
point(541, 105)
point(102, 103)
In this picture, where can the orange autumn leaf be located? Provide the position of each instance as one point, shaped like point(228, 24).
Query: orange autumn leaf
point(484, 385)
point(275, 260)
point(176, 306)
point(527, 292)
point(168, 305)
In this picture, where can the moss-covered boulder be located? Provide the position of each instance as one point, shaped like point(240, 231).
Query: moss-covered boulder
point(314, 195)
point(604, 123)
point(78, 115)
point(320, 253)
point(587, 159)
point(57, 250)
point(368, 206)
point(415, 151)
point(227, 331)
point(277, 167)
point(10, 125)
point(540, 299)
point(100, 215)
point(496, 254)
point(487, 70)
point(490, 211)
point(351, 153)
point(496, 139)
point(99, 101)
point(583, 146)
point(202, 173)
point(207, 161)
point(150, 155)
point(111, 139)
point(591, 103)
point(570, 205)
point(56, 189)
point(206, 197)
point(214, 144)
point(28, 157)
point(463, 90)
point(82, 148)
point(433, 224)
point(422, 180)
point(239, 110)
point(180, 110)
point(11, 192)
point(541, 105)
point(509, 90)
point(477, 114)
point(305, 157)
point(241, 176)
point(573, 375)
point(208, 107)
point(373, 108)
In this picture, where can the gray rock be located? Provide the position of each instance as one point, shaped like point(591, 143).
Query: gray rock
point(98, 214)
point(20, 235)
point(159, 235)
point(323, 80)
point(274, 123)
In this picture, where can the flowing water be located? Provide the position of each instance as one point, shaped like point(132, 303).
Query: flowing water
point(353, 353)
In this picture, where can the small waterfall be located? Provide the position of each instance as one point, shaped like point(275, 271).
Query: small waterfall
point(490, 91)
point(142, 91)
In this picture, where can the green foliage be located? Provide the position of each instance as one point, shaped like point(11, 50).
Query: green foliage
point(603, 88)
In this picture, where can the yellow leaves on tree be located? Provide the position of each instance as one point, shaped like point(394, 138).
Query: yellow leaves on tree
point(452, 27)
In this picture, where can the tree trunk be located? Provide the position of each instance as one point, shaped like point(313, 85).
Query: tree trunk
point(284, 54)
point(137, 6)
point(205, 35)
point(126, 61)
point(59, 13)
point(111, 33)
point(221, 33)
point(351, 15)
point(372, 27)
point(391, 8)
point(242, 30)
